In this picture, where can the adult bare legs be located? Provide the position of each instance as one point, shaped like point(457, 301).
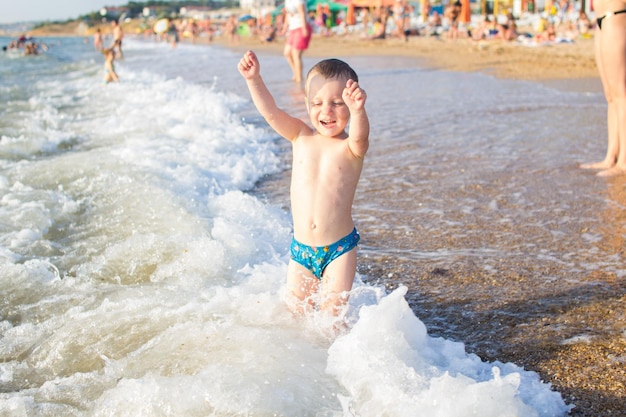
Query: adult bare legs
point(613, 56)
point(613, 143)
point(294, 59)
point(613, 60)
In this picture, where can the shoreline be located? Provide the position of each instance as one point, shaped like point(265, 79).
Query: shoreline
point(502, 59)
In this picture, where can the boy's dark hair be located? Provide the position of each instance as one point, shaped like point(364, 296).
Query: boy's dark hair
point(333, 68)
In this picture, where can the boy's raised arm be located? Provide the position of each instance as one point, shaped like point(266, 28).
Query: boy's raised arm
point(359, 131)
point(285, 125)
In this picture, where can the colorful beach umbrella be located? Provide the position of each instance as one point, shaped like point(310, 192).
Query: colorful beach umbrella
point(350, 17)
point(161, 26)
point(465, 11)
point(373, 3)
point(331, 5)
point(314, 4)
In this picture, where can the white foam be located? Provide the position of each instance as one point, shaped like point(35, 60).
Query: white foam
point(389, 365)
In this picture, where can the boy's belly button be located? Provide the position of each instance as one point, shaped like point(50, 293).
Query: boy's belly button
point(313, 225)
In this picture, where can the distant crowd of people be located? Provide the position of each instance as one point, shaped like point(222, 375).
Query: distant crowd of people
point(561, 27)
point(563, 22)
point(26, 45)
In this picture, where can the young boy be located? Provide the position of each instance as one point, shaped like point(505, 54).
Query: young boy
point(109, 68)
point(327, 163)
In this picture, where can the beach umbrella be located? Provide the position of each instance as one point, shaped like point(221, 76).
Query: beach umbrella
point(314, 4)
point(373, 3)
point(161, 26)
point(245, 18)
point(350, 18)
point(330, 6)
point(465, 11)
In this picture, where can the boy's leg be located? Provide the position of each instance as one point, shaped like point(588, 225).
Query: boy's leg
point(337, 280)
point(301, 285)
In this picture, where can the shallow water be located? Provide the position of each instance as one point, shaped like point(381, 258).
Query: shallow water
point(144, 236)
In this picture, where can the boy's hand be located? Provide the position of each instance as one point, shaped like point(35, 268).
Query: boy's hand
point(354, 96)
point(249, 65)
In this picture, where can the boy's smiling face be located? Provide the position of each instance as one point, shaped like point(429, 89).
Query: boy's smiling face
point(327, 110)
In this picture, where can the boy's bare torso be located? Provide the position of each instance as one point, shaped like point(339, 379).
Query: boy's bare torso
point(323, 184)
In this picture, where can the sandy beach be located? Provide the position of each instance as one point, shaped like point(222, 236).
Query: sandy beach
point(591, 373)
point(502, 59)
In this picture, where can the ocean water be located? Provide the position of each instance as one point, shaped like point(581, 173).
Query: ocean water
point(142, 261)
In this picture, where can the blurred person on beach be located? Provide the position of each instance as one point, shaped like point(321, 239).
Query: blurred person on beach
point(548, 35)
point(172, 33)
point(97, 40)
point(31, 48)
point(400, 18)
point(434, 26)
point(320, 18)
point(267, 33)
point(378, 30)
point(118, 35)
point(507, 31)
point(365, 20)
point(206, 27)
point(484, 30)
point(266, 29)
point(610, 52)
point(561, 16)
point(452, 13)
point(192, 30)
point(231, 29)
point(584, 25)
point(109, 68)
point(327, 164)
point(298, 36)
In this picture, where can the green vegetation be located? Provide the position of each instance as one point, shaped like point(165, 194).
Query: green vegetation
point(56, 22)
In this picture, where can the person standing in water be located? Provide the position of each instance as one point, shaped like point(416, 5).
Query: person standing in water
point(97, 40)
point(109, 68)
point(299, 34)
point(327, 164)
point(118, 35)
point(610, 52)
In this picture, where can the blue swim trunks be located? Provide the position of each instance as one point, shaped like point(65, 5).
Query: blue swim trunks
point(317, 258)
